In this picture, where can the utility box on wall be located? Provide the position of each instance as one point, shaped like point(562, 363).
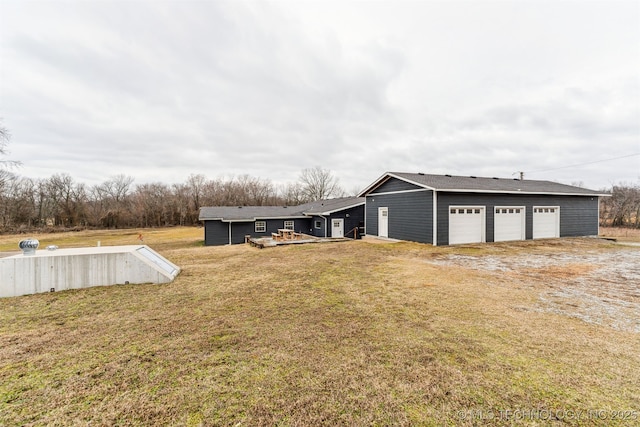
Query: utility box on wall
point(63, 269)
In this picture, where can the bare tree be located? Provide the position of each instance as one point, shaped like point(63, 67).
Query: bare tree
point(211, 193)
point(152, 204)
point(6, 200)
point(292, 194)
point(318, 183)
point(69, 199)
point(115, 193)
point(196, 185)
point(181, 212)
point(622, 209)
point(5, 174)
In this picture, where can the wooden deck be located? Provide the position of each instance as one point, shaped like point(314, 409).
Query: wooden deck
point(269, 242)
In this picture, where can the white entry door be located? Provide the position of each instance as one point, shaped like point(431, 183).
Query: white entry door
point(508, 223)
point(337, 227)
point(466, 224)
point(546, 222)
point(383, 222)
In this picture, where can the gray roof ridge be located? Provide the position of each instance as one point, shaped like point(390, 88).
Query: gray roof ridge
point(458, 182)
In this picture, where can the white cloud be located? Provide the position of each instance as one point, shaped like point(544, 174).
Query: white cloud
point(160, 90)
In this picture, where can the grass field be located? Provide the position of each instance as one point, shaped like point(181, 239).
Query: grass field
point(622, 234)
point(347, 333)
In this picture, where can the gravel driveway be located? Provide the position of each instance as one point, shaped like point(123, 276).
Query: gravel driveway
point(594, 282)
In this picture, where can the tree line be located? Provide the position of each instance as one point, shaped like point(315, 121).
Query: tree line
point(622, 209)
point(62, 202)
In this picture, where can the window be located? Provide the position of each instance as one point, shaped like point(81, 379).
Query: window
point(288, 225)
point(317, 224)
point(545, 210)
point(261, 226)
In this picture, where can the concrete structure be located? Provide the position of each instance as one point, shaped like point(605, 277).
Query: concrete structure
point(76, 268)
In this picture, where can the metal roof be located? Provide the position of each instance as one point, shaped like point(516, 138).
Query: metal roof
point(252, 213)
point(475, 184)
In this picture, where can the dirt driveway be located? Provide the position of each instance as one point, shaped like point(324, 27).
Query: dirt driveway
point(589, 279)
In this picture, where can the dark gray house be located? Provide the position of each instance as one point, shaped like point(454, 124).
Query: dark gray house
point(225, 225)
point(447, 210)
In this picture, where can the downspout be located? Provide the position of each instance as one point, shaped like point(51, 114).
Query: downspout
point(365, 216)
point(598, 216)
point(435, 218)
point(325, 225)
point(229, 232)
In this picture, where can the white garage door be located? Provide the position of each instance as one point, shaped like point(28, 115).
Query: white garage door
point(466, 224)
point(508, 223)
point(546, 222)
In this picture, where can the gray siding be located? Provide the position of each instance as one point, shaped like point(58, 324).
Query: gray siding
point(318, 232)
point(217, 232)
point(355, 219)
point(394, 184)
point(410, 215)
point(578, 214)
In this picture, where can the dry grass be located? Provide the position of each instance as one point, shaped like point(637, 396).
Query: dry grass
point(622, 234)
point(327, 334)
point(158, 238)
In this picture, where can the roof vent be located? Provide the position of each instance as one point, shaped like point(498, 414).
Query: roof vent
point(420, 173)
point(29, 246)
point(473, 176)
point(495, 177)
point(449, 176)
point(239, 207)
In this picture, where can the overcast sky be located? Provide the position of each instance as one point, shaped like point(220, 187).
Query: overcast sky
point(161, 90)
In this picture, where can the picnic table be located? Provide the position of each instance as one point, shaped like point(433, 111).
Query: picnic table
point(286, 234)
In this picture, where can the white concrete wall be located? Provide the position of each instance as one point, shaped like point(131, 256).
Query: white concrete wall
point(78, 268)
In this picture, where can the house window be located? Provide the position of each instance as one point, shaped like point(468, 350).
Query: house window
point(288, 225)
point(261, 226)
point(318, 224)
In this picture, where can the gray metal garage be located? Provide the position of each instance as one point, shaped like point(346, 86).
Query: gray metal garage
point(446, 209)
